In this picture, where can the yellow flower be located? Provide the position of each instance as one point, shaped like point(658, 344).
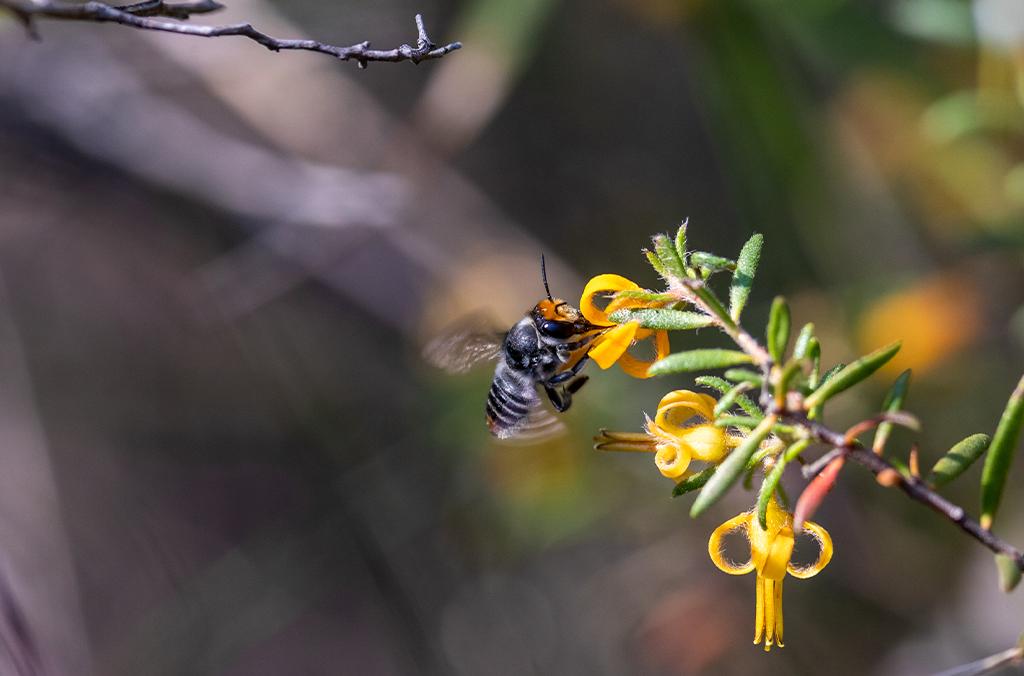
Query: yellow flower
point(677, 443)
point(612, 344)
point(674, 442)
point(770, 553)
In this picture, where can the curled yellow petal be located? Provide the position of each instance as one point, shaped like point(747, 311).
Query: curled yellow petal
point(824, 554)
point(738, 522)
point(769, 613)
point(678, 406)
point(612, 344)
point(672, 459)
point(633, 366)
point(638, 367)
point(599, 285)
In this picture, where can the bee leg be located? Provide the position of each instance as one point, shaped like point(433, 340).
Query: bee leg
point(566, 375)
point(560, 398)
point(575, 385)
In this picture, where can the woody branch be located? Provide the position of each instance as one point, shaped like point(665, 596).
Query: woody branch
point(156, 14)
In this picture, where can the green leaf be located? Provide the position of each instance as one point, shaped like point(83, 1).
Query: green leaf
point(681, 241)
point(1000, 454)
point(659, 318)
point(744, 376)
point(655, 262)
point(771, 480)
point(728, 400)
point(852, 374)
point(645, 295)
point(724, 386)
point(803, 342)
point(814, 354)
point(737, 421)
point(732, 468)
point(743, 278)
point(714, 383)
point(893, 402)
point(778, 329)
point(713, 304)
point(694, 482)
point(1009, 572)
point(785, 377)
point(957, 459)
point(697, 360)
point(711, 262)
point(666, 251)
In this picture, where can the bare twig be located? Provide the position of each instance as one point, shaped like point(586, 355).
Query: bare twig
point(140, 15)
point(175, 10)
point(986, 665)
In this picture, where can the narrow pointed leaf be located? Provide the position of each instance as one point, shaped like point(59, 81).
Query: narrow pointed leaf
point(662, 319)
point(803, 342)
point(655, 262)
point(728, 400)
point(681, 241)
point(1000, 454)
point(789, 372)
point(724, 386)
point(737, 421)
point(852, 374)
point(957, 459)
point(744, 376)
point(743, 277)
point(778, 329)
point(771, 481)
point(714, 383)
point(714, 305)
point(697, 360)
point(1009, 573)
point(814, 354)
point(694, 482)
point(711, 262)
point(893, 402)
point(666, 251)
point(646, 295)
point(732, 468)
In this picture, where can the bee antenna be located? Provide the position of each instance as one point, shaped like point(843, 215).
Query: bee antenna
point(544, 276)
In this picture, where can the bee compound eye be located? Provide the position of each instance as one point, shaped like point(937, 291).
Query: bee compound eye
point(555, 329)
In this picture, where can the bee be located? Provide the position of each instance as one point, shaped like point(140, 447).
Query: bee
point(545, 351)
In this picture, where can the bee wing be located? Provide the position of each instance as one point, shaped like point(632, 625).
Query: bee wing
point(464, 345)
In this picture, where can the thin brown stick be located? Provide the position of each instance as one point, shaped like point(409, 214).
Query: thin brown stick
point(142, 15)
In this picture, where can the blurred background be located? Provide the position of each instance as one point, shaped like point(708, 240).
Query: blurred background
point(224, 454)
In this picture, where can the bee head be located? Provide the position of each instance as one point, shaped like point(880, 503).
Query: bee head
point(556, 318)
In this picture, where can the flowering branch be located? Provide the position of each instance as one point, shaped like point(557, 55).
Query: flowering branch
point(794, 410)
point(143, 15)
point(780, 426)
